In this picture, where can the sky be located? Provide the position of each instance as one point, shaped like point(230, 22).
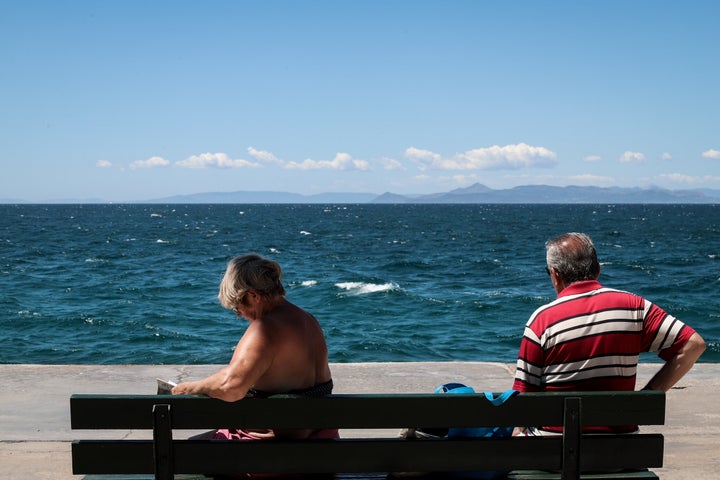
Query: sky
point(138, 100)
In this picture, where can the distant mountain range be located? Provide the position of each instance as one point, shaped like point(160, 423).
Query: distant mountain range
point(476, 193)
point(268, 197)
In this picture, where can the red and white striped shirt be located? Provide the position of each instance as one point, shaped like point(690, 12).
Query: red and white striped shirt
point(591, 337)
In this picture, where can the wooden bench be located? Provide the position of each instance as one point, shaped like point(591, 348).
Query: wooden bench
point(567, 455)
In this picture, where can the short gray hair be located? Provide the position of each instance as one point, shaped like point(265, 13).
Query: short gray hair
point(573, 256)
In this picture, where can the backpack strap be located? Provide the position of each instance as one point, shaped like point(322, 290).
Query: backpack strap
point(501, 398)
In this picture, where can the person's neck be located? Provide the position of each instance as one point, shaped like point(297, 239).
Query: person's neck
point(270, 305)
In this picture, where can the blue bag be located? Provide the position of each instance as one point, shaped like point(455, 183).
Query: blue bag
point(455, 432)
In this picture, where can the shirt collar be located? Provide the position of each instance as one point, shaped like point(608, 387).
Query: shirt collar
point(580, 287)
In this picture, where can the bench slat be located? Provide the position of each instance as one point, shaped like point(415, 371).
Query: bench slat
point(523, 475)
point(519, 475)
point(540, 475)
point(598, 452)
point(365, 411)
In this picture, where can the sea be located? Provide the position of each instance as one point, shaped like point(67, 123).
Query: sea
point(138, 283)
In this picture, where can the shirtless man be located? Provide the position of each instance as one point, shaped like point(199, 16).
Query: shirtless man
point(283, 349)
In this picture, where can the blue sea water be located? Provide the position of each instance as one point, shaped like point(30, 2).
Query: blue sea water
point(115, 284)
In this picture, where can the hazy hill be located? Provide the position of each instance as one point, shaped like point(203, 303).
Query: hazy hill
point(476, 193)
point(479, 193)
point(267, 197)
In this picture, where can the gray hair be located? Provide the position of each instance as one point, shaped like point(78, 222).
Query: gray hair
point(573, 256)
point(250, 272)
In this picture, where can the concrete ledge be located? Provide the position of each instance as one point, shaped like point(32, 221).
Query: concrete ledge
point(35, 418)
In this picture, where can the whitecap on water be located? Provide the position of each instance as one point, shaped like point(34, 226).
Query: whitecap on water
point(361, 288)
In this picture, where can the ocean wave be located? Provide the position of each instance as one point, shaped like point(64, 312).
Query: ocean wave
point(362, 288)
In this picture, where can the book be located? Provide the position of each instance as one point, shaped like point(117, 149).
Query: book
point(164, 387)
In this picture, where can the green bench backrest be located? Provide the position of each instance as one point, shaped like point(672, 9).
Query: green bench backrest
point(365, 411)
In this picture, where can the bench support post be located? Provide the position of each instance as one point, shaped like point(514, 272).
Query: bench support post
point(162, 442)
point(572, 430)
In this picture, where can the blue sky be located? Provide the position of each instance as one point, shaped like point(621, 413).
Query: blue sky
point(138, 100)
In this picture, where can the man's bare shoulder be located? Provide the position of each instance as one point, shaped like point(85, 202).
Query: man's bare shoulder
point(287, 314)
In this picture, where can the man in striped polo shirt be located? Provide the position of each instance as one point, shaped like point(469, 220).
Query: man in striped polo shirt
point(591, 337)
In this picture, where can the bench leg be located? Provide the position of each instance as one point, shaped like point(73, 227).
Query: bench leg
point(162, 442)
point(571, 439)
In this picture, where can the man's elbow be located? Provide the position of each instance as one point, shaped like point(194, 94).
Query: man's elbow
point(230, 391)
point(697, 345)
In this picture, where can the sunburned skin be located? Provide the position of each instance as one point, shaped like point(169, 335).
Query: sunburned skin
point(282, 350)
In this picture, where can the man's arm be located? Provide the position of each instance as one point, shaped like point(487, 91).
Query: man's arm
point(252, 358)
point(677, 366)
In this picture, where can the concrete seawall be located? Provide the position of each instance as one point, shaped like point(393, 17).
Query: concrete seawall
point(35, 430)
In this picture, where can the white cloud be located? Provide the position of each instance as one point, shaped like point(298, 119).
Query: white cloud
point(103, 164)
point(666, 156)
point(423, 155)
point(507, 157)
point(342, 161)
point(216, 160)
point(152, 162)
point(586, 179)
point(391, 164)
point(688, 179)
point(592, 180)
point(712, 153)
point(424, 158)
point(264, 156)
point(495, 157)
point(677, 177)
point(592, 158)
point(632, 157)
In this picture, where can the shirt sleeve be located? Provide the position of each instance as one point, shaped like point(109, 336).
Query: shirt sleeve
point(528, 372)
point(663, 333)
